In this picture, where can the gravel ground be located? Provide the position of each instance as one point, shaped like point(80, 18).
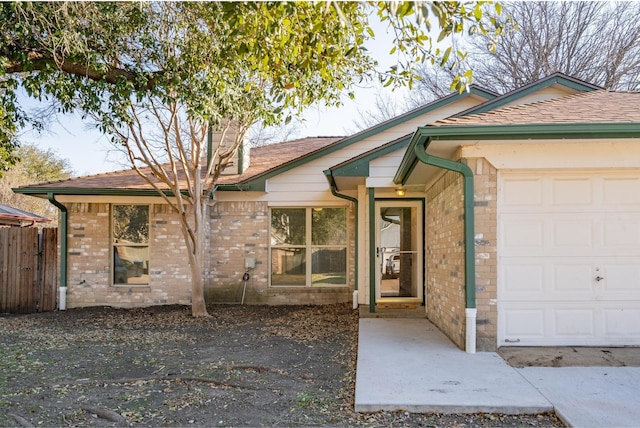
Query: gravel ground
point(158, 366)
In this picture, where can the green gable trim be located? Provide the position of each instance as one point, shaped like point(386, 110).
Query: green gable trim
point(529, 89)
point(359, 166)
point(255, 187)
point(34, 191)
point(258, 183)
point(546, 131)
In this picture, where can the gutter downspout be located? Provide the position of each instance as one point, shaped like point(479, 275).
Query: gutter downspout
point(62, 301)
point(334, 192)
point(469, 239)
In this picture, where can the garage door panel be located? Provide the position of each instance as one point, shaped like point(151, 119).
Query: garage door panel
point(523, 279)
point(622, 323)
point(577, 227)
point(571, 191)
point(620, 277)
point(546, 279)
point(524, 324)
point(621, 232)
point(622, 191)
point(522, 192)
point(523, 233)
point(572, 278)
point(570, 323)
point(572, 234)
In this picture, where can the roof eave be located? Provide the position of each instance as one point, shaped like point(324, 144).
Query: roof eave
point(553, 79)
point(359, 165)
point(258, 183)
point(44, 191)
point(426, 134)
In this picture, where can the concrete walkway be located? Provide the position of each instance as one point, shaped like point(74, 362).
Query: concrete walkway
point(408, 364)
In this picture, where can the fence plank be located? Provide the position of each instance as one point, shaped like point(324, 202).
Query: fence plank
point(4, 270)
point(49, 270)
point(19, 270)
point(28, 280)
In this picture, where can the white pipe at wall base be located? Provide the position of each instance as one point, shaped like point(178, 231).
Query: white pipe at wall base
point(355, 299)
point(470, 345)
point(62, 301)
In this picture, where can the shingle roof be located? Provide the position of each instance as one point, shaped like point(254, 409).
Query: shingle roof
point(266, 158)
point(263, 159)
point(590, 107)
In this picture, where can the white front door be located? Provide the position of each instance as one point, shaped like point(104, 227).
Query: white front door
point(569, 259)
point(399, 256)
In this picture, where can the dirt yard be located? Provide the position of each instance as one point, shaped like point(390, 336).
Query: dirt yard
point(571, 356)
point(244, 366)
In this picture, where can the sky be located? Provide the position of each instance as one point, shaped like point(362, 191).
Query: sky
point(90, 152)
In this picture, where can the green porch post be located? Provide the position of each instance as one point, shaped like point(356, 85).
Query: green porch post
point(372, 250)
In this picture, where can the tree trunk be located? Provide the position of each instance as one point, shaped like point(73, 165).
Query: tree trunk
point(198, 305)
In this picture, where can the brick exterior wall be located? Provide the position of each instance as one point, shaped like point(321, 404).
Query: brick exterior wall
point(241, 229)
point(486, 230)
point(89, 279)
point(445, 254)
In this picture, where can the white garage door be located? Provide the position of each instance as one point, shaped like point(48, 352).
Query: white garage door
point(569, 259)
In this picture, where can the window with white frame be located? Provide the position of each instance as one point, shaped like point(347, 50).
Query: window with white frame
point(130, 226)
point(308, 247)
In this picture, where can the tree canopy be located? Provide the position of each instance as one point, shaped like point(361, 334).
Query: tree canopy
point(598, 42)
point(97, 56)
point(34, 165)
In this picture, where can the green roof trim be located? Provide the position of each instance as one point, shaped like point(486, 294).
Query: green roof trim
point(258, 183)
point(556, 78)
point(34, 191)
point(546, 131)
point(359, 166)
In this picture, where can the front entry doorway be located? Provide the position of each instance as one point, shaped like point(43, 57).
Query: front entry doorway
point(399, 256)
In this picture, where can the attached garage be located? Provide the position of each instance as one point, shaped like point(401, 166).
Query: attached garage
point(550, 208)
point(569, 258)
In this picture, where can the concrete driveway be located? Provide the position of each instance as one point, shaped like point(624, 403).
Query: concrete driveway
point(408, 364)
point(590, 396)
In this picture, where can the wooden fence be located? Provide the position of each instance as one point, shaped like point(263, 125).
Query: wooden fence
point(28, 269)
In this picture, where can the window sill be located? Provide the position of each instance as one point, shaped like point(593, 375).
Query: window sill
point(132, 288)
point(303, 288)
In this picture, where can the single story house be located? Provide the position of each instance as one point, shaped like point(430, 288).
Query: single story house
point(513, 219)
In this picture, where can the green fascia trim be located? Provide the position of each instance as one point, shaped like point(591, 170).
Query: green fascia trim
point(334, 192)
point(532, 131)
point(469, 219)
point(359, 167)
point(426, 134)
point(259, 183)
point(372, 250)
point(514, 95)
point(34, 191)
point(240, 188)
